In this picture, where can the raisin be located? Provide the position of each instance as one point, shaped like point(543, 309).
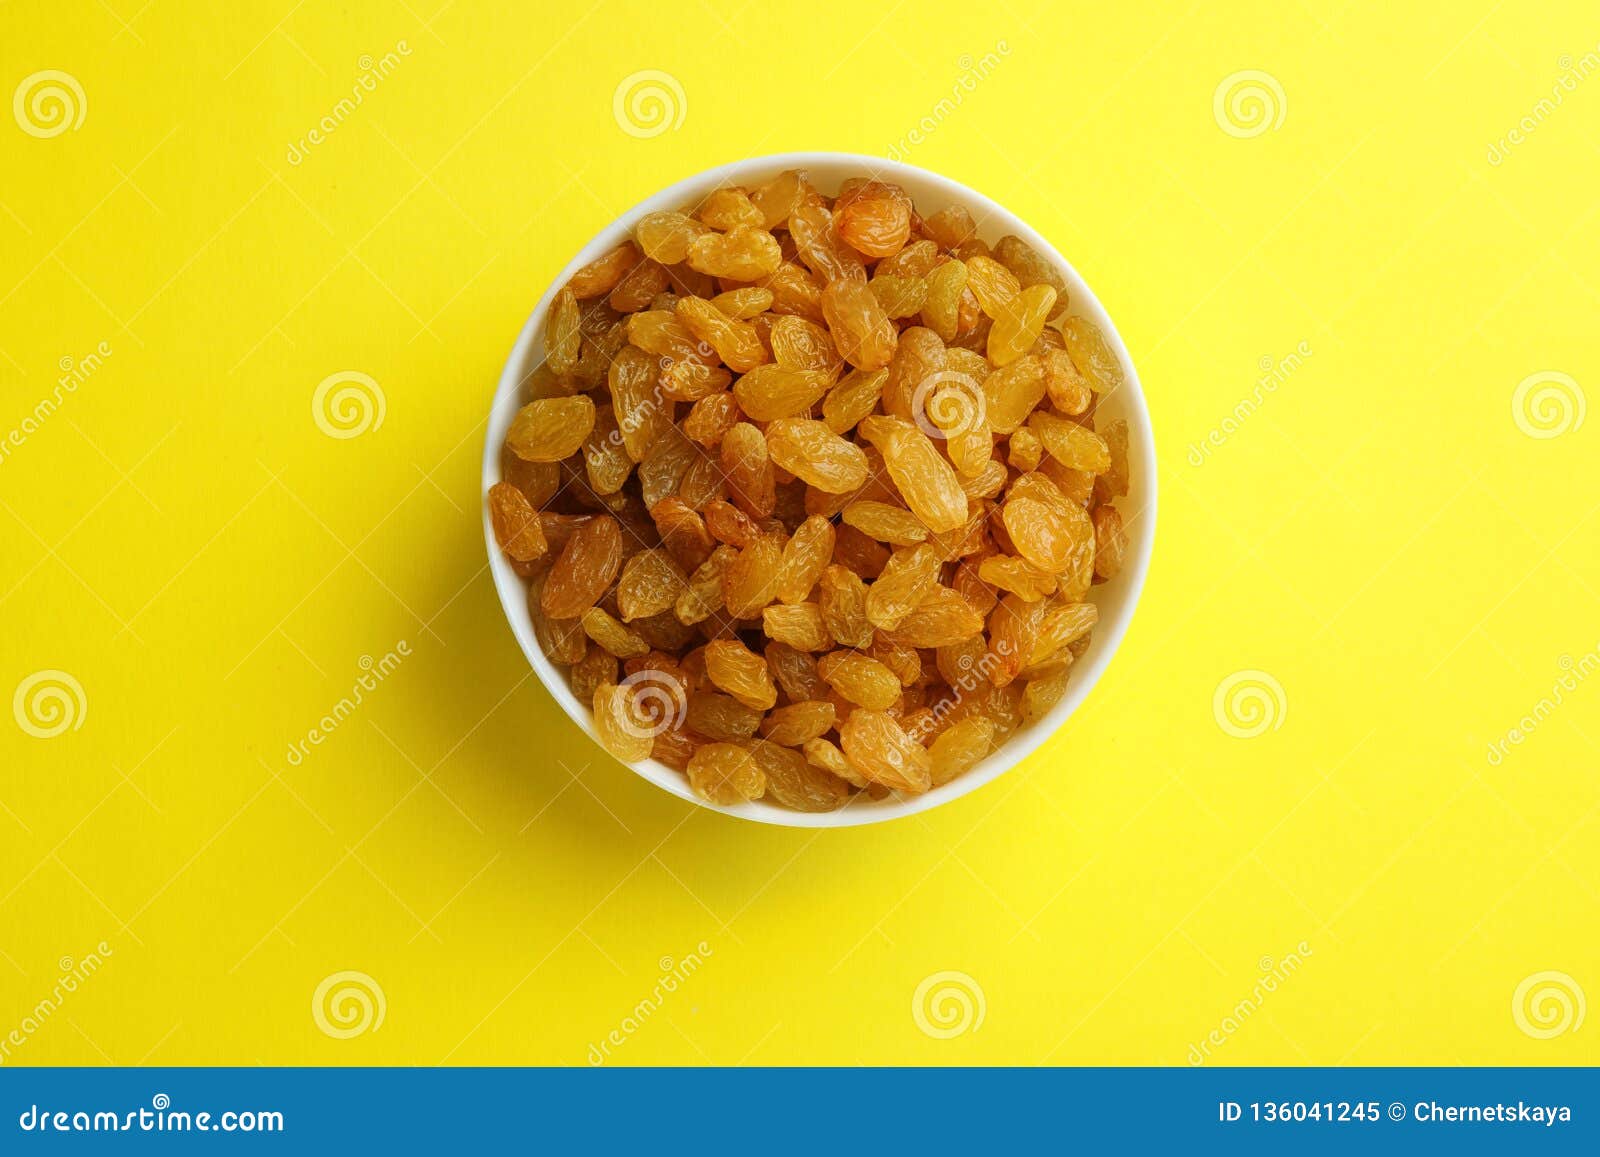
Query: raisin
point(881, 751)
point(860, 328)
point(809, 450)
point(601, 275)
point(874, 218)
point(796, 783)
point(725, 773)
point(798, 723)
point(651, 582)
point(551, 429)
point(741, 254)
point(805, 557)
point(1091, 353)
point(516, 523)
point(586, 567)
point(740, 672)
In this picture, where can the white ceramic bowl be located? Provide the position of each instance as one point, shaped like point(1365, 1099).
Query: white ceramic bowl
point(1115, 599)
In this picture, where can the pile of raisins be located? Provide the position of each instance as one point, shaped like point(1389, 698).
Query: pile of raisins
point(810, 493)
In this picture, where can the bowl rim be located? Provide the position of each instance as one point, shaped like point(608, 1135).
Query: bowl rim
point(1110, 629)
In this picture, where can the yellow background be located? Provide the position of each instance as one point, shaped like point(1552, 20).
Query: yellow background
point(1380, 537)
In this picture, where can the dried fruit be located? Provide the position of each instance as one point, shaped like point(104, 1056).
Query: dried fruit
point(886, 523)
point(741, 254)
point(642, 415)
point(860, 679)
point(771, 391)
point(1070, 444)
point(561, 336)
point(749, 470)
point(925, 480)
point(602, 274)
point(796, 783)
point(962, 745)
point(1110, 543)
point(550, 429)
point(950, 226)
point(906, 580)
point(725, 773)
point(719, 716)
point(800, 625)
point(809, 498)
point(873, 218)
point(809, 450)
point(798, 723)
point(750, 582)
point(820, 246)
point(666, 236)
point(651, 582)
point(1019, 324)
point(623, 729)
point(516, 523)
point(805, 557)
point(1091, 353)
point(613, 637)
point(860, 328)
point(880, 750)
point(587, 564)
